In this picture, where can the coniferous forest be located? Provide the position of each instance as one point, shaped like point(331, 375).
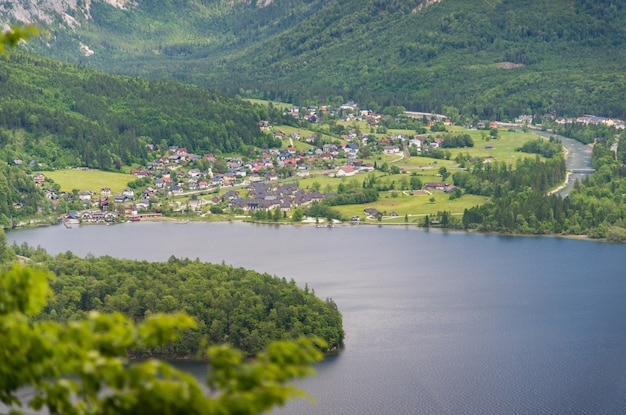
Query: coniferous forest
point(243, 308)
point(64, 115)
point(494, 59)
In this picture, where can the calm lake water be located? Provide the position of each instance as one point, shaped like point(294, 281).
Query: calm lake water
point(436, 323)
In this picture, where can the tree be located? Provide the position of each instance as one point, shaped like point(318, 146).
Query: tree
point(443, 172)
point(276, 214)
point(297, 215)
point(416, 182)
point(80, 367)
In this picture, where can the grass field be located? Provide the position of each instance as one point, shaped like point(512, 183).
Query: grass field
point(281, 105)
point(502, 149)
point(92, 180)
point(414, 206)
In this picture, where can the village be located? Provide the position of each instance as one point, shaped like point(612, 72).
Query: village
point(204, 184)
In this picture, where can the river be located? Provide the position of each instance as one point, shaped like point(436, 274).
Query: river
point(578, 157)
point(436, 322)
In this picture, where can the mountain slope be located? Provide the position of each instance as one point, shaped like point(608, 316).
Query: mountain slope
point(64, 115)
point(493, 59)
point(566, 56)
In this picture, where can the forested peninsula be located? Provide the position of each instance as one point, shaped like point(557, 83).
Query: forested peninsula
point(235, 306)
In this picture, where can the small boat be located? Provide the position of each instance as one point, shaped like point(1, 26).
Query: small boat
point(182, 222)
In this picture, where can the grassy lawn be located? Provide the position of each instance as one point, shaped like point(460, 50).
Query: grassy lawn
point(92, 180)
point(414, 206)
point(502, 149)
point(324, 181)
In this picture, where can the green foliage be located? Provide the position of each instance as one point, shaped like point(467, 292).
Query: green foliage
point(456, 193)
point(352, 197)
point(457, 141)
point(443, 172)
point(595, 207)
point(81, 367)
point(500, 179)
point(616, 234)
point(297, 216)
point(585, 133)
point(216, 210)
point(547, 149)
point(17, 34)
point(415, 182)
point(231, 305)
point(62, 115)
point(140, 183)
point(495, 60)
point(322, 210)
point(19, 197)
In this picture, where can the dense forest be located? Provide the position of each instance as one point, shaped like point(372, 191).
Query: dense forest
point(231, 305)
point(63, 115)
point(494, 59)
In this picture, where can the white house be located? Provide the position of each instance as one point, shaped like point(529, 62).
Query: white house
point(345, 171)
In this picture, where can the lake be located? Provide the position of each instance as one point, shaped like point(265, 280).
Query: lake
point(436, 322)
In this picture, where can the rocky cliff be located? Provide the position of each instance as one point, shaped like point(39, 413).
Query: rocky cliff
point(47, 12)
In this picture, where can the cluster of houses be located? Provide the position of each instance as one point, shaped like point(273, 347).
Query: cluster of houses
point(346, 112)
point(583, 119)
point(268, 196)
point(592, 119)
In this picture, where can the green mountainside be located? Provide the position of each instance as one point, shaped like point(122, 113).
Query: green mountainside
point(493, 59)
point(63, 115)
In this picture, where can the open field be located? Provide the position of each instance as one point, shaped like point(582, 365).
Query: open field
point(304, 133)
point(502, 149)
point(413, 206)
point(92, 180)
point(281, 105)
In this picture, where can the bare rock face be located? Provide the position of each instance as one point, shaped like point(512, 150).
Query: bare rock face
point(48, 11)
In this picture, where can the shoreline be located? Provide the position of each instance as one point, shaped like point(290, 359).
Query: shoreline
point(324, 225)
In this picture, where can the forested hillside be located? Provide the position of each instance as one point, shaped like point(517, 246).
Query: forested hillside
point(230, 305)
point(63, 115)
point(19, 198)
point(494, 59)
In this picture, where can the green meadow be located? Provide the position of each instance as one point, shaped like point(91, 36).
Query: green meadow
point(276, 104)
point(501, 149)
point(416, 207)
point(92, 180)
